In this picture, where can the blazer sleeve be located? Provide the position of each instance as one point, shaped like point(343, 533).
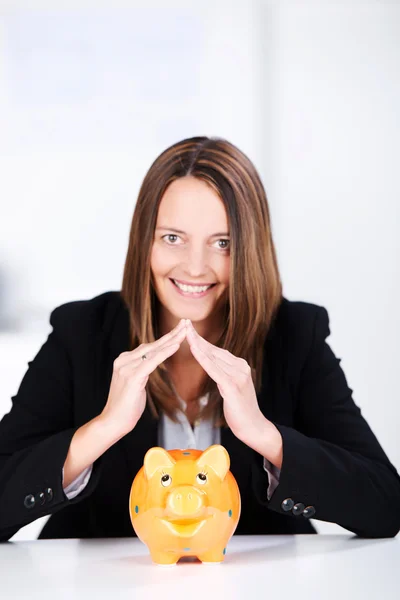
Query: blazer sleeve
point(35, 437)
point(333, 468)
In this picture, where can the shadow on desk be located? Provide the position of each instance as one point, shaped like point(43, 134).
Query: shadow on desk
point(287, 549)
point(255, 549)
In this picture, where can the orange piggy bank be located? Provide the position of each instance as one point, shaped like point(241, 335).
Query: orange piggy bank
point(185, 503)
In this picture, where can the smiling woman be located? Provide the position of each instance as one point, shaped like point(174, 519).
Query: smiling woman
point(206, 254)
point(200, 314)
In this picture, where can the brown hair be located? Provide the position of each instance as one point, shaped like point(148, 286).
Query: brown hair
point(255, 289)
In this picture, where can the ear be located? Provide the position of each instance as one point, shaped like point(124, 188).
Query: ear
point(155, 458)
point(217, 458)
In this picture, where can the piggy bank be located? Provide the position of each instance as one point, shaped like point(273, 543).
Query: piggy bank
point(185, 503)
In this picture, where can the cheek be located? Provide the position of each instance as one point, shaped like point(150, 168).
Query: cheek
point(224, 272)
point(161, 261)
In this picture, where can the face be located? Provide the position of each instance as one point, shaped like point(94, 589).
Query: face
point(191, 246)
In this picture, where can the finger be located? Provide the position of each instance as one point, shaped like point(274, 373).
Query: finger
point(153, 350)
point(167, 337)
point(177, 334)
point(215, 371)
point(223, 355)
point(156, 357)
point(144, 367)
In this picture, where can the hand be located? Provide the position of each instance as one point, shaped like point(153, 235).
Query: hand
point(233, 378)
point(127, 396)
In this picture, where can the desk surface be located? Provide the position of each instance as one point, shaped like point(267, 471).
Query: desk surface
point(320, 567)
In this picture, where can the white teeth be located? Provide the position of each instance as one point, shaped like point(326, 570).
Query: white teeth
point(192, 289)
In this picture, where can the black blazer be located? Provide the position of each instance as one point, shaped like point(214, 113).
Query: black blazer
point(332, 461)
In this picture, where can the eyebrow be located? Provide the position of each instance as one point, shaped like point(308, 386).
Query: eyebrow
point(184, 233)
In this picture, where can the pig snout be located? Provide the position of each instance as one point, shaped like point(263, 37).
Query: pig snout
point(185, 502)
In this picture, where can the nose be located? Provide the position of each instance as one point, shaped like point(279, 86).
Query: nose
point(197, 260)
point(184, 501)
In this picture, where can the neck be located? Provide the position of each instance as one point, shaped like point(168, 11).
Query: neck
point(183, 358)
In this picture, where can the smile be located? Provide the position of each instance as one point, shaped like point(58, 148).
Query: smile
point(184, 528)
point(191, 291)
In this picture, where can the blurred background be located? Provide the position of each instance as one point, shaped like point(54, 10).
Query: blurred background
point(91, 92)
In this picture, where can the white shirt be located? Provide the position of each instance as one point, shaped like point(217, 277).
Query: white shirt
point(180, 435)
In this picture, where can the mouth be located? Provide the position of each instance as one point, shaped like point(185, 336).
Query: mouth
point(189, 292)
point(185, 527)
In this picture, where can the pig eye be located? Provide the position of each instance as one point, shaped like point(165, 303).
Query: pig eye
point(201, 478)
point(166, 480)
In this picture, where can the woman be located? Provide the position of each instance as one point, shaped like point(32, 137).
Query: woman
point(161, 363)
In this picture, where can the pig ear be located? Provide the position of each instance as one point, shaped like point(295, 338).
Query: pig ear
point(216, 458)
point(155, 458)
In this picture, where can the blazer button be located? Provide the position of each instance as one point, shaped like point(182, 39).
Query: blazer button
point(298, 508)
point(287, 504)
point(49, 494)
point(29, 501)
point(308, 512)
point(40, 498)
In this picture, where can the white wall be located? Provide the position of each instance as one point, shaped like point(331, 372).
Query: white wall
point(331, 167)
point(89, 98)
point(308, 90)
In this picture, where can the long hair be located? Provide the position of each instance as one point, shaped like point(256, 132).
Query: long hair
point(255, 289)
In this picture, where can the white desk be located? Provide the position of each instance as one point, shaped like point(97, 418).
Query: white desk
point(313, 567)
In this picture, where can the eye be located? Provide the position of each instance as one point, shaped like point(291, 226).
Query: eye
point(169, 235)
point(225, 241)
point(166, 480)
point(201, 478)
point(170, 242)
